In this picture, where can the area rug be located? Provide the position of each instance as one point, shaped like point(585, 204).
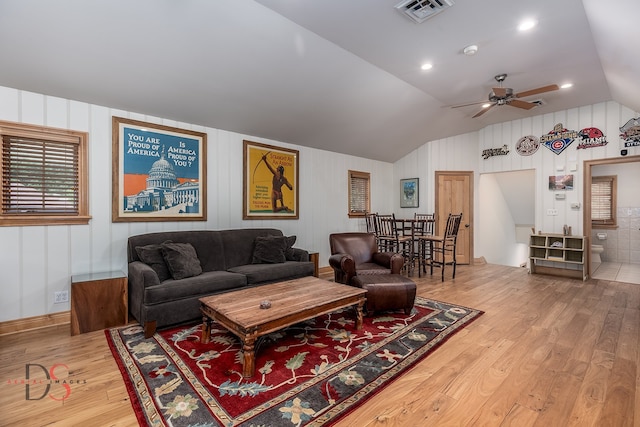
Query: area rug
point(310, 374)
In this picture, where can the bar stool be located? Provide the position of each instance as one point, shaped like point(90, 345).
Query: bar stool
point(440, 247)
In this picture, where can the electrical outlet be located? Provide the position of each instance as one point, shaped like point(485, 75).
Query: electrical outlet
point(552, 212)
point(60, 297)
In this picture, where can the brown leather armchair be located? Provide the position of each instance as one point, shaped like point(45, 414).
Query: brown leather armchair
point(355, 254)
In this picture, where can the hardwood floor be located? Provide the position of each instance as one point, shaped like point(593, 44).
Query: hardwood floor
point(547, 352)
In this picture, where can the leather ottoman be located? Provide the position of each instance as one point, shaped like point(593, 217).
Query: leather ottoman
point(387, 292)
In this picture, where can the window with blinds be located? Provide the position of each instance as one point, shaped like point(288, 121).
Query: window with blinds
point(603, 201)
point(44, 175)
point(359, 203)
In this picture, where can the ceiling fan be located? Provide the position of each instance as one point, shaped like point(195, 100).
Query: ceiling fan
point(505, 96)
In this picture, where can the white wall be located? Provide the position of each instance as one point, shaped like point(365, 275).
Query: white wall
point(505, 201)
point(457, 153)
point(608, 117)
point(37, 261)
point(463, 152)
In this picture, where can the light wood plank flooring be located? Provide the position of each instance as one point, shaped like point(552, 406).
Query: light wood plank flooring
point(548, 352)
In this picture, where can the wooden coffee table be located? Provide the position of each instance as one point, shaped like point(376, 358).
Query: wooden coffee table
point(292, 301)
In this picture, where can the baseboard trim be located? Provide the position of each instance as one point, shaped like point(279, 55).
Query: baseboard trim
point(36, 322)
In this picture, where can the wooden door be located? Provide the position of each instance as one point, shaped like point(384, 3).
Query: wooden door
point(454, 194)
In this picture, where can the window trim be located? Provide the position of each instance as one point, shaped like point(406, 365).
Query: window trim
point(81, 139)
point(613, 222)
point(359, 175)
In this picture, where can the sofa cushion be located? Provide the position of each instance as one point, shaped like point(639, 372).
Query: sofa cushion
point(239, 244)
point(264, 273)
point(207, 243)
point(289, 253)
point(269, 250)
point(181, 259)
point(152, 256)
point(207, 283)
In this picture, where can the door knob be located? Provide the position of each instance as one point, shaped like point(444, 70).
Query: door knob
point(466, 225)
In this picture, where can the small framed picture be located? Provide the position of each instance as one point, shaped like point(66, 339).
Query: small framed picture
point(409, 193)
point(561, 182)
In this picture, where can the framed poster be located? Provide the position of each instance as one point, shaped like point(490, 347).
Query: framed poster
point(409, 193)
point(270, 182)
point(159, 172)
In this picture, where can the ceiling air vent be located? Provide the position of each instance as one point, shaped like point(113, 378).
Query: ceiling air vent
point(421, 10)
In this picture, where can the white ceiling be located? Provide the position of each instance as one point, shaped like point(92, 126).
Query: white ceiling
point(338, 75)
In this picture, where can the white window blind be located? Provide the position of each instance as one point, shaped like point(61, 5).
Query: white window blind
point(358, 193)
point(603, 200)
point(39, 176)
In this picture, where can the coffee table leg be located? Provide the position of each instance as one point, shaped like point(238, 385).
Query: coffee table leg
point(249, 353)
point(359, 314)
point(206, 329)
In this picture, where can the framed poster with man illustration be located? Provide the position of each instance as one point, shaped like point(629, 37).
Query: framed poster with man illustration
point(409, 193)
point(159, 172)
point(270, 182)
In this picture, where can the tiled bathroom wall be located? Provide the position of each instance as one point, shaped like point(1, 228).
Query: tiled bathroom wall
point(621, 244)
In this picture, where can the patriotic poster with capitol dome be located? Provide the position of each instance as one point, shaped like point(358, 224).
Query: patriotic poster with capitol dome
point(159, 172)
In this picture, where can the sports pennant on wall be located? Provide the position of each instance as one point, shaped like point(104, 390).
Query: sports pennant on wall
point(558, 139)
point(630, 133)
point(591, 137)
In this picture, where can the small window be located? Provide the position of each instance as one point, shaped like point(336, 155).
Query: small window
point(44, 175)
point(359, 203)
point(603, 201)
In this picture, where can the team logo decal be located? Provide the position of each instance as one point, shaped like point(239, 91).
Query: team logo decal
point(527, 145)
point(558, 139)
point(490, 152)
point(631, 132)
point(591, 137)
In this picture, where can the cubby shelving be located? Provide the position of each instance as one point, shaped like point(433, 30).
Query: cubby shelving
point(557, 254)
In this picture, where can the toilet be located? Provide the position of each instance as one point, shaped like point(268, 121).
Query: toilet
point(596, 250)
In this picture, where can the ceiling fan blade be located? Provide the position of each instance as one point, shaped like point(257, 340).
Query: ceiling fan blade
point(521, 104)
point(484, 110)
point(542, 89)
point(467, 105)
point(499, 92)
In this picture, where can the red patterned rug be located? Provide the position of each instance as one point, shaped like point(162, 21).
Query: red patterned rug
point(310, 374)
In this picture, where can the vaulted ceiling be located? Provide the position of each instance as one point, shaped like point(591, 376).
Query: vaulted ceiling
point(343, 76)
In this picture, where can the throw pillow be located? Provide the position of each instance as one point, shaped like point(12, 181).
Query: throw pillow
point(181, 259)
point(288, 252)
point(269, 250)
point(152, 256)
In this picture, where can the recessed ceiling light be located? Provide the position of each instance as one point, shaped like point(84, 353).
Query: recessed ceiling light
point(426, 66)
point(470, 50)
point(527, 24)
point(566, 86)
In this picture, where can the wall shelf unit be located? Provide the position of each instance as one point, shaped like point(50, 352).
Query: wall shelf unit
point(558, 255)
